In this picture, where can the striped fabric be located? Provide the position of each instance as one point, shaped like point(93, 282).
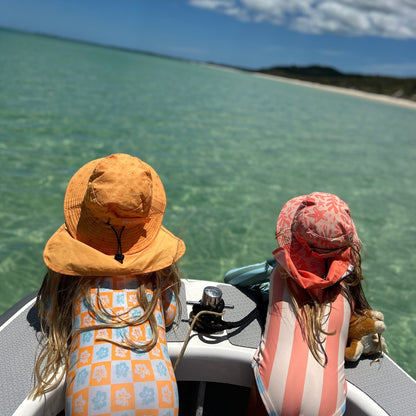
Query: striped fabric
point(289, 379)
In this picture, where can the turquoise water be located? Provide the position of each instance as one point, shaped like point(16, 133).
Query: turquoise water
point(231, 149)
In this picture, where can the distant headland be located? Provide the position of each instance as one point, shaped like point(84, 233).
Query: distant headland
point(404, 88)
point(401, 89)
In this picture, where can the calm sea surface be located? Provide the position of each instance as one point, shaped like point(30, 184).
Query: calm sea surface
point(231, 149)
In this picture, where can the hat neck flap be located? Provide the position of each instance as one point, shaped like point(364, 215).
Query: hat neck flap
point(68, 256)
point(335, 270)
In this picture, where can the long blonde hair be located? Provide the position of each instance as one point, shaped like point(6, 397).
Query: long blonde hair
point(56, 319)
point(312, 314)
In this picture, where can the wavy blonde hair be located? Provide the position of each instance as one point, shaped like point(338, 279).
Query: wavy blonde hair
point(56, 319)
point(312, 315)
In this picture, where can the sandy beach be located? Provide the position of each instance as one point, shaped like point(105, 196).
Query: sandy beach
point(362, 94)
point(339, 90)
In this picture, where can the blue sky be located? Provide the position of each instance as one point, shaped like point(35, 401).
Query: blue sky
point(364, 36)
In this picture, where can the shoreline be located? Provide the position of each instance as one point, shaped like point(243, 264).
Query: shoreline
point(386, 99)
point(402, 102)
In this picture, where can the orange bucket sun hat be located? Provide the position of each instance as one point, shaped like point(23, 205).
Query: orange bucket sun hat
point(315, 234)
point(113, 212)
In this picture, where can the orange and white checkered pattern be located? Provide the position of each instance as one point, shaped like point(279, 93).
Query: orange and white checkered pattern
point(105, 379)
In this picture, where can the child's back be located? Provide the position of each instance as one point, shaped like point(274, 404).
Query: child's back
point(105, 378)
point(290, 379)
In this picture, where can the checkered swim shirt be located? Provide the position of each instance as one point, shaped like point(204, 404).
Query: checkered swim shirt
point(105, 379)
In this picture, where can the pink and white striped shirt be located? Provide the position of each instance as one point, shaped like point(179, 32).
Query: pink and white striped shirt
point(289, 379)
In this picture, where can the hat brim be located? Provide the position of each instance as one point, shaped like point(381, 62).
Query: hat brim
point(66, 255)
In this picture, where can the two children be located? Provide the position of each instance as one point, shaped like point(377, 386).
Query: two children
point(112, 285)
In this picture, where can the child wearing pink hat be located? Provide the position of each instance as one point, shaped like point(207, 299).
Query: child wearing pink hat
point(109, 293)
point(299, 364)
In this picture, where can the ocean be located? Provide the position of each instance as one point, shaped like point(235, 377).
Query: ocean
point(230, 147)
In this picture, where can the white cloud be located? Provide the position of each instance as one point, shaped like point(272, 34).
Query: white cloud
point(386, 18)
point(212, 4)
point(228, 7)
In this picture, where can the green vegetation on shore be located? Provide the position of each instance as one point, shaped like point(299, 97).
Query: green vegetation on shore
point(390, 86)
point(394, 87)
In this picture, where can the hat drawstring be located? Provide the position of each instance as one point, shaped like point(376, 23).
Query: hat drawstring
point(326, 270)
point(119, 255)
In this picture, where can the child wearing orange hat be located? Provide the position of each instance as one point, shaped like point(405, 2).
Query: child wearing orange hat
point(110, 291)
point(316, 286)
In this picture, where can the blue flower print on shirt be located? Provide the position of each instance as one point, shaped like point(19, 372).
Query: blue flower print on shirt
point(121, 370)
point(81, 377)
point(168, 412)
point(162, 369)
point(120, 333)
point(159, 319)
point(136, 313)
point(100, 400)
point(102, 353)
point(86, 337)
point(120, 299)
point(165, 350)
point(147, 395)
point(148, 332)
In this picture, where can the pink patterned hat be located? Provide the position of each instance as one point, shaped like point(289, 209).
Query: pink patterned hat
point(315, 234)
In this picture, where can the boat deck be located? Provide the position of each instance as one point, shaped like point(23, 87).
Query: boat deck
point(214, 375)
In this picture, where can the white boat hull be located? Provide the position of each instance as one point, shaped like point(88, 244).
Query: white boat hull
point(378, 390)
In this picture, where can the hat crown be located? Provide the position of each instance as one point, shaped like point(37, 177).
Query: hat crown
point(120, 191)
point(113, 209)
point(323, 222)
point(317, 241)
